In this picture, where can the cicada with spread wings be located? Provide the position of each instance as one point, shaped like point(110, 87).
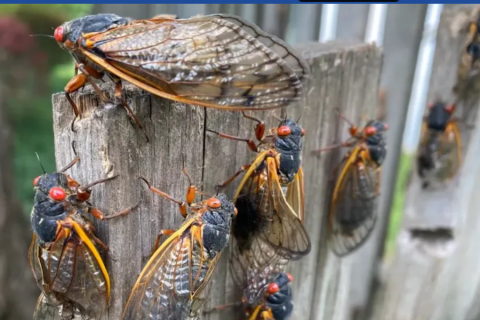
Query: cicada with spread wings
point(352, 214)
point(64, 253)
point(439, 153)
point(217, 61)
point(175, 281)
point(270, 201)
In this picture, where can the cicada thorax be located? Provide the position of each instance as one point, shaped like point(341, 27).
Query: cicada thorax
point(439, 152)
point(353, 214)
point(268, 296)
point(63, 254)
point(176, 280)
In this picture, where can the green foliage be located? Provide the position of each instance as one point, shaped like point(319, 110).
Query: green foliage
point(398, 202)
point(30, 110)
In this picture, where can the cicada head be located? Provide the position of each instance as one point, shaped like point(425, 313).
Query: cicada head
point(50, 204)
point(375, 140)
point(289, 143)
point(279, 296)
point(68, 34)
point(439, 115)
point(217, 218)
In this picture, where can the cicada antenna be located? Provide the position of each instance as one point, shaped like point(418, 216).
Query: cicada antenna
point(41, 165)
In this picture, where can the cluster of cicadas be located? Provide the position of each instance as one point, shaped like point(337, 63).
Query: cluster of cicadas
point(439, 155)
point(214, 61)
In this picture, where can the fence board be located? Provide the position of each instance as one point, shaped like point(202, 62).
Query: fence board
point(428, 251)
point(345, 75)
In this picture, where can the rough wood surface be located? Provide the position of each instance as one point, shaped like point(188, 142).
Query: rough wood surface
point(344, 76)
point(403, 31)
point(18, 292)
point(422, 282)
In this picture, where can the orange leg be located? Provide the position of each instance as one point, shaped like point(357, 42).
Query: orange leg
point(163, 232)
point(249, 142)
point(182, 205)
point(99, 215)
point(259, 127)
point(235, 175)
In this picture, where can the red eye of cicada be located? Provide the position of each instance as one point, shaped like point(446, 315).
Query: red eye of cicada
point(290, 277)
point(273, 288)
point(370, 131)
point(58, 34)
point(214, 203)
point(284, 131)
point(35, 181)
point(57, 194)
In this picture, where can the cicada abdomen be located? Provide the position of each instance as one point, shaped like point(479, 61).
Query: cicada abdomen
point(352, 213)
point(439, 153)
point(175, 281)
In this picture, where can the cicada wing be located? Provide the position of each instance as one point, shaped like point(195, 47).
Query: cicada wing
point(281, 48)
point(45, 310)
point(175, 280)
point(449, 152)
point(286, 231)
point(207, 60)
point(296, 195)
point(72, 274)
point(353, 208)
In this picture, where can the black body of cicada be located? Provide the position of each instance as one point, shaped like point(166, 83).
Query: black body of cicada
point(290, 148)
point(439, 154)
point(376, 143)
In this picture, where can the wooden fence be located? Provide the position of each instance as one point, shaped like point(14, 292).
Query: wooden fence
point(346, 75)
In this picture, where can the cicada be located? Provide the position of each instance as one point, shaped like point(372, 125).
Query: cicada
point(439, 154)
point(175, 281)
point(267, 295)
point(64, 253)
point(469, 63)
point(352, 213)
point(270, 302)
point(217, 61)
point(270, 200)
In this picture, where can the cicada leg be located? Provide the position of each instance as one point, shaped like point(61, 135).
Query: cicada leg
point(181, 204)
point(99, 215)
point(79, 81)
point(267, 315)
point(118, 95)
point(235, 175)
point(251, 144)
point(163, 232)
point(259, 127)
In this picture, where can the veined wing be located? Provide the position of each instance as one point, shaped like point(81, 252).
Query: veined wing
point(353, 207)
point(172, 284)
point(286, 230)
point(210, 61)
point(71, 273)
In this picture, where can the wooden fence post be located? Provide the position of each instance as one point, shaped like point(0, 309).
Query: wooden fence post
point(422, 281)
point(344, 76)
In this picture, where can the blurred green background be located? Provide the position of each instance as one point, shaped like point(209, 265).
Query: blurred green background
point(32, 67)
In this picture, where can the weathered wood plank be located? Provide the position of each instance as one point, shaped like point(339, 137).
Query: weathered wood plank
point(403, 33)
point(422, 281)
point(345, 76)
